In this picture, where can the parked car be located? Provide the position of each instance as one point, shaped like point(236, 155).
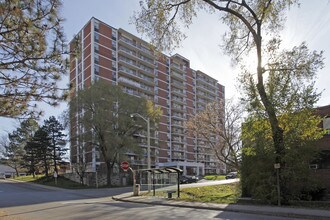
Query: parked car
point(2, 176)
point(231, 175)
point(188, 179)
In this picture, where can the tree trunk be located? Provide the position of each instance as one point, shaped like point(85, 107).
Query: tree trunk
point(109, 171)
point(277, 131)
point(46, 167)
point(54, 158)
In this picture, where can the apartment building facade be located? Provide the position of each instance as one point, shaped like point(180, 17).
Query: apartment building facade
point(117, 56)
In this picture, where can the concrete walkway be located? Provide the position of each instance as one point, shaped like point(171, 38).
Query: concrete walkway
point(252, 209)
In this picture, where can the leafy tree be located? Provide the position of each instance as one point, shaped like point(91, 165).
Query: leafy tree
point(251, 24)
point(258, 174)
point(223, 136)
point(104, 115)
point(54, 129)
point(31, 63)
point(290, 87)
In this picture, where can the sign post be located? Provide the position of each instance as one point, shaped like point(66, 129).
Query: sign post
point(277, 167)
point(55, 176)
point(124, 165)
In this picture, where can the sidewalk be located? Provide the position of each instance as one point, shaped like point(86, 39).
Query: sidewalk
point(252, 209)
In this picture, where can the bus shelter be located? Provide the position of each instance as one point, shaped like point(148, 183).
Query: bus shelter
point(165, 179)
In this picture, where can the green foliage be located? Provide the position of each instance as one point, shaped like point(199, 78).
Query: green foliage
point(165, 21)
point(225, 193)
point(214, 177)
point(62, 182)
point(41, 143)
point(31, 59)
point(258, 174)
point(17, 140)
point(104, 111)
point(280, 84)
point(290, 85)
point(56, 140)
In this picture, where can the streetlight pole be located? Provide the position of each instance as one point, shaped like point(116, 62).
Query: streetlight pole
point(148, 145)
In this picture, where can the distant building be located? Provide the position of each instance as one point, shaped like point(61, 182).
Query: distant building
point(123, 59)
point(322, 166)
point(7, 170)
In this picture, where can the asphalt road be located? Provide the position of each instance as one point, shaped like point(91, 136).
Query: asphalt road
point(20, 201)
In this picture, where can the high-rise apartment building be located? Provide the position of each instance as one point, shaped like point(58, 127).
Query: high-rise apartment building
point(123, 59)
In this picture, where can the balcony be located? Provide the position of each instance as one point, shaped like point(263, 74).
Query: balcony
point(127, 51)
point(178, 140)
point(127, 42)
point(131, 63)
point(179, 108)
point(147, 61)
point(179, 92)
point(140, 77)
point(177, 75)
point(178, 100)
point(129, 82)
point(178, 115)
point(131, 92)
point(178, 149)
point(178, 84)
point(177, 131)
point(177, 67)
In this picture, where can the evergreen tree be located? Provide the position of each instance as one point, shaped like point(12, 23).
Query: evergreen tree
point(30, 157)
point(54, 130)
point(14, 150)
point(44, 151)
point(31, 59)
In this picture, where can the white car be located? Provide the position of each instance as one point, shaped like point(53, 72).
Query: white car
point(2, 176)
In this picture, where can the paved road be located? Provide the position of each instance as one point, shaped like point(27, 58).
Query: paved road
point(22, 201)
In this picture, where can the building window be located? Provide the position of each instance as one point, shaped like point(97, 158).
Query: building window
point(113, 43)
point(96, 26)
point(326, 125)
point(96, 58)
point(114, 78)
point(96, 70)
point(114, 34)
point(96, 48)
point(114, 65)
point(114, 55)
point(96, 37)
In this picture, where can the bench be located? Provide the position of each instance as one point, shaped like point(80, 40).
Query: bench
point(169, 193)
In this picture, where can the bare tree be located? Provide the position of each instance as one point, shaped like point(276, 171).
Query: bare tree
point(222, 136)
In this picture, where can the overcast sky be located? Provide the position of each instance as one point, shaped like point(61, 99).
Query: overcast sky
point(310, 23)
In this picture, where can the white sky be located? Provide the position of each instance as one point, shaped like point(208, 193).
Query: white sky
point(310, 23)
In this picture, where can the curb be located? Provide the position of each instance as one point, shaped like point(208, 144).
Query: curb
point(230, 209)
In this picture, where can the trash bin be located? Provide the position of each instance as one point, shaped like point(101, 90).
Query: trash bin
point(136, 190)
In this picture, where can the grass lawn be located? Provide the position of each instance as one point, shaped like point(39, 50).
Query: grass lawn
point(215, 177)
point(50, 181)
point(226, 193)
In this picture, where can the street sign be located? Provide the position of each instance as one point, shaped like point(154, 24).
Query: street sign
point(124, 165)
point(277, 165)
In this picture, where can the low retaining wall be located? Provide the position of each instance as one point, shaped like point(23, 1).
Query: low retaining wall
point(121, 179)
